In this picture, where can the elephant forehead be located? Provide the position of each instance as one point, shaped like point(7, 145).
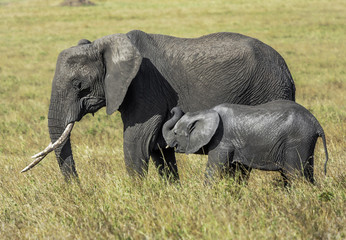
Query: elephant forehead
point(191, 115)
point(185, 120)
point(74, 66)
point(78, 59)
point(72, 51)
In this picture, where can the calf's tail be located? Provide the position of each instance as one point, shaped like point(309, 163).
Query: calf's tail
point(322, 135)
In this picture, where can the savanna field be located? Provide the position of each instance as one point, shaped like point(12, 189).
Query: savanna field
point(107, 204)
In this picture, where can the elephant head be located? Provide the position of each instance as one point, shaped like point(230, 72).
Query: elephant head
point(88, 77)
point(191, 131)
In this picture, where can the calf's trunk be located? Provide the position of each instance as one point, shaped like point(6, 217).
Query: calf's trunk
point(167, 131)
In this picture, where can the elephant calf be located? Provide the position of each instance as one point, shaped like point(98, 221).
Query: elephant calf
point(276, 136)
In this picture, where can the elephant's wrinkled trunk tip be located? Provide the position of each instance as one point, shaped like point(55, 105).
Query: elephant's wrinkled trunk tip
point(52, 146)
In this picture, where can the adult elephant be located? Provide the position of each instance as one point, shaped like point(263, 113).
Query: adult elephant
point(145, 75)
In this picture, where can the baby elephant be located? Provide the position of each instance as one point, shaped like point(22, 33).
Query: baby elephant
point(275, 136)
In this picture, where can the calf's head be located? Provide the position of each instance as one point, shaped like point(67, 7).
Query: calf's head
point(192, 131)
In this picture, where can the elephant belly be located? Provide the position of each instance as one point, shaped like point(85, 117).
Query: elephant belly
point(258, 159)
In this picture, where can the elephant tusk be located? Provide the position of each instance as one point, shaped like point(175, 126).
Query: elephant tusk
point(33, 164)
point(167, 146)
point(44, 152)
point(52, 146)
point(57, 143)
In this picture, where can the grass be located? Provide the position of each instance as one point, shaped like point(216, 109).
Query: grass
point(310, 35)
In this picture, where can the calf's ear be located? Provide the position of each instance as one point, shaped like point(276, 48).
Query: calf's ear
point(201, 129)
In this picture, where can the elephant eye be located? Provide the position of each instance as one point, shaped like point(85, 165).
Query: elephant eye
point(81, 89)
point(84, 92)
point(77, 84)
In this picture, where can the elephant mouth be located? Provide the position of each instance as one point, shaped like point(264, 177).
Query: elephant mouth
point(179, 150)
point(87, 105)
point(176, 147)
point(93, 104)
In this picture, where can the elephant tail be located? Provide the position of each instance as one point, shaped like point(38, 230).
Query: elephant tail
point(323, 136)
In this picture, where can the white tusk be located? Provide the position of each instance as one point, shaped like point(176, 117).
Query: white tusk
point(44, 152)
point(31, 165)
point(52, 146)
point(57, 143)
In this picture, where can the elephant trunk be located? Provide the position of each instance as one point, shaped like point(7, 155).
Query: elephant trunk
point(167, 132)
point(60, 142)
point(61, 135)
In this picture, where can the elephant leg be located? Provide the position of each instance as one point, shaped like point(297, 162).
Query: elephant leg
point(285, 179)
point(235, 169)
point(239, 172)
point(216, 165)
point(309, 170)
point(136, 161)
point(166, 163)
point(298, 162)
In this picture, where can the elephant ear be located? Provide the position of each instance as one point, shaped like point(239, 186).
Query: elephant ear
point(201, 129)
point(122, 61)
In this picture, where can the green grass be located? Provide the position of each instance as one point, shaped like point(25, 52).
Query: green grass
point(310, 35)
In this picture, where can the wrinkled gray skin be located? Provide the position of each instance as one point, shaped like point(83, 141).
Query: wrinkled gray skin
point(277, 136)
point(145, 75)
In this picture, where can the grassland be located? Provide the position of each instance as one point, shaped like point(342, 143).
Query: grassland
point(310, 35)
